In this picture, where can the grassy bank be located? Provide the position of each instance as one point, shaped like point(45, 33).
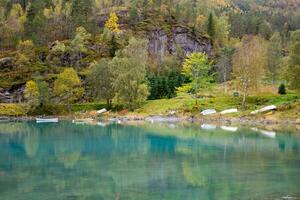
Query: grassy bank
point(183, 105)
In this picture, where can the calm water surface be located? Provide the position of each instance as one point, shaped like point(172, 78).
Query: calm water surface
point(68, 161)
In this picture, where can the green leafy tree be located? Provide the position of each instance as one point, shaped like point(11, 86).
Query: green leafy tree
point(221, 35)
point(78, 44)
point(67, 87)
point(274, 56)
point(293, 69)
point(31, 94)
point(224, 65)
point(133, 15)
point(43, 88)
point(101, 81)
point(80, 12)
point(56, 52)
point(197, 68)
point(129, 71)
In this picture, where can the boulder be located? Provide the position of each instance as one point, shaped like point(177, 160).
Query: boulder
point(209, 112)
point(234, 110)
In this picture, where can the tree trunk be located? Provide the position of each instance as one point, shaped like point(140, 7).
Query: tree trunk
point(245, 95)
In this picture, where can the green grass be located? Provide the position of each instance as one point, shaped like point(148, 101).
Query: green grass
point(185, 103)
point(87, 106)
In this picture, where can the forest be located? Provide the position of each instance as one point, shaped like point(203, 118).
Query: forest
point(123, 53)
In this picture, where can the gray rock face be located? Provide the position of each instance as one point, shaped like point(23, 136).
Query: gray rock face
point(6, 62)
point(162, 43)
point(14, 95)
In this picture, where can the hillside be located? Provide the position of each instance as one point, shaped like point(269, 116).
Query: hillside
point(123, 53)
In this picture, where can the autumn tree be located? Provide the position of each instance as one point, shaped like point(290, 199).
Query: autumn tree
point(31, 94)
point(200, 22)
point(13, 26)
point(58, 17)
point(26, 53)
point(112, 23)
point(249, 62)
point(67, 87)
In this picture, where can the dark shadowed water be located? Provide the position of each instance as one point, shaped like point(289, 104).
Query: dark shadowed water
point(78, 162)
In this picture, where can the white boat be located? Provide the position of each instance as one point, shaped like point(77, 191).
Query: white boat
point(264, 109)
point(209, 112)
point(229, 111)
point(46, 120)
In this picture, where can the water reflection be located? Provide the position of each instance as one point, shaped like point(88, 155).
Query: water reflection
point(151, 161)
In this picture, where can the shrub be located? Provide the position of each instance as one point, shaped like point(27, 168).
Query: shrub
point(12, 110)
point(281, 89)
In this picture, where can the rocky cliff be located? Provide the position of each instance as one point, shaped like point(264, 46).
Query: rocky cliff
point(178, 39)
point(164, 41)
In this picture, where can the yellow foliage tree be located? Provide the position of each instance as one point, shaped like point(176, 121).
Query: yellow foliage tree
point(200, 22)
point(112, 23)
point(249, 61)
point(31, 94)
point(67, 87)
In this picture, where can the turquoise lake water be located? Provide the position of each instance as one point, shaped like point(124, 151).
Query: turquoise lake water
point(149, 161)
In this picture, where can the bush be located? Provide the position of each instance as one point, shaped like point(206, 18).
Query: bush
point(12, 110)
point(281, 89)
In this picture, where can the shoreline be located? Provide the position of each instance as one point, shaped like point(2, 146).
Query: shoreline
point(170, 119)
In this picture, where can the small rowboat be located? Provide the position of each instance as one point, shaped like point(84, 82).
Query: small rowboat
point(46, 120)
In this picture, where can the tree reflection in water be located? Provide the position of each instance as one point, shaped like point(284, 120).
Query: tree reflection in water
point(66, 161)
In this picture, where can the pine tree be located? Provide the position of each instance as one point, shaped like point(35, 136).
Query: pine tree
point(281, 89)
point(211, 26)
point(114, 47)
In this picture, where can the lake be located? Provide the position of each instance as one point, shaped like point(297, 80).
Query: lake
point(147, 161)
